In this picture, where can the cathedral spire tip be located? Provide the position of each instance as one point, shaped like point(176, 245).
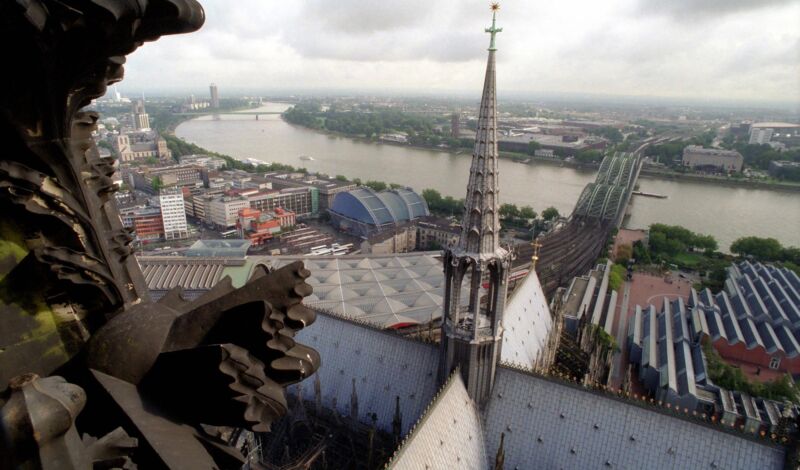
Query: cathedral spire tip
point(494, 29)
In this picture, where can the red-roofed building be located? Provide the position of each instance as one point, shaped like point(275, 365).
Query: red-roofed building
point(258, 226)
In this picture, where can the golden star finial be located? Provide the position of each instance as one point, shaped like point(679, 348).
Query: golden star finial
point(495, 6)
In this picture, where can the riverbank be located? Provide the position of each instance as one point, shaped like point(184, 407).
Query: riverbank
point(525, 159)
point(718, 180)
point(515, 157)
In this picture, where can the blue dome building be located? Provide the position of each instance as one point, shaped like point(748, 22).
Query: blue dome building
point(363, 211)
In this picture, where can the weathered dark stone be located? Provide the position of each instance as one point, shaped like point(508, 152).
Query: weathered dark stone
point(73, 300)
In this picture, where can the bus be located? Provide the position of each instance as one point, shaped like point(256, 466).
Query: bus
point(229, 233)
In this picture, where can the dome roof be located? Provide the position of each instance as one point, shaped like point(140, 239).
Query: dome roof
point(370, 207)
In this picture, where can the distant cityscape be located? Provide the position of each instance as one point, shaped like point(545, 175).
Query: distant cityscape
point(708, 336)
point(227, 280)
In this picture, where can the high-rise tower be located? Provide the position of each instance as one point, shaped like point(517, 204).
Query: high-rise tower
point(472, 327)
point(141, 120)
point(214, 91)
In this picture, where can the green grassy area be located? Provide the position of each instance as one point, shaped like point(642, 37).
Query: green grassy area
point(688, 260)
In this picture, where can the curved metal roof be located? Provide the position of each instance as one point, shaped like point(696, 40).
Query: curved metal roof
point(393, 206)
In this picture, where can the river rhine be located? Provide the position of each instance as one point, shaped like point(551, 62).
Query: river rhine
point(724, 212)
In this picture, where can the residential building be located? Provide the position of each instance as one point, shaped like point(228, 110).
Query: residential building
point(173, 214)
point(695, 156)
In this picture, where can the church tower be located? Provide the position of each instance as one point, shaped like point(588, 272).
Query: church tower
point(472, 320)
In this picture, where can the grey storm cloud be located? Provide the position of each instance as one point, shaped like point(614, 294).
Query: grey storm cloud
point(745, 49)
point(362, 30)
point(687, 9)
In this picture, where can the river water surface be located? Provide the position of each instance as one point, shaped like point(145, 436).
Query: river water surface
point(724, 212)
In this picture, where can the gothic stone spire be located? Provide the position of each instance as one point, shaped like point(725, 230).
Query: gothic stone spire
point(480, 229)
point(472, 328)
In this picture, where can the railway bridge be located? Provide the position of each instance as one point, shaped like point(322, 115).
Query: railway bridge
point(573, 248)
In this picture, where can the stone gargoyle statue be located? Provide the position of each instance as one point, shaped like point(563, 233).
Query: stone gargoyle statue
point(92, 373)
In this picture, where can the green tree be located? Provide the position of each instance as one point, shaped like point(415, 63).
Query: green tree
point(533, 146)
point(340, 178)
point(157, 184)
point(616, 277)
point(376, 185)
point(527, 212)
point(509, 211)
point(550, 213)
point(762, 249)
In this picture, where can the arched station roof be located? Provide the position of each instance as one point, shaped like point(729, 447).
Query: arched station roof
point(371, 207)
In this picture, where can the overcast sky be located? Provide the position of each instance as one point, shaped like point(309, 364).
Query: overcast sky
point(746, 50)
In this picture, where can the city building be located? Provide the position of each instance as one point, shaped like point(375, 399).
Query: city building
point(258, 226)
point(784, 169)
point(302, 201)
point(363, 211)
point(183, 175)
point(589, 299)
point(205, 161)
point(196, 275)
point(695, 156)
point(400, 240)
point(785, 133)
point(435, 233)
point(455, 125)
point(755, 321)
point(173, 214)
point(141, 120)
point(760, 135)
point(140, 145)
point(326, 187)
point(214, 92)
point(146, 222)
point(223, 211)
point(666, 347)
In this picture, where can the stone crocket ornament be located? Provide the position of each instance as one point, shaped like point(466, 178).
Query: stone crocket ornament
point(83, 351)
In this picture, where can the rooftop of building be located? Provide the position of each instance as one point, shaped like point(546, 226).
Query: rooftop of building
point(711, 151)
point(195, 275)
point(379, 208)
point(776, 125)
point(219, 248)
